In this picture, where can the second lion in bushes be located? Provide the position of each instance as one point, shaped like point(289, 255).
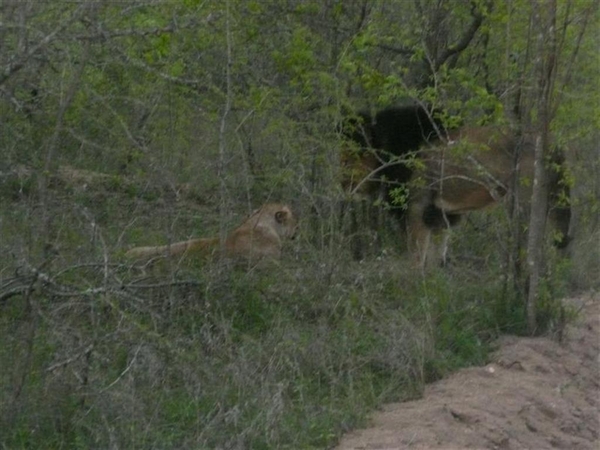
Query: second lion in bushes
point(260, 236)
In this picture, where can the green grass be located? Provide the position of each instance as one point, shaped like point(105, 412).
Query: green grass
point(219, 357)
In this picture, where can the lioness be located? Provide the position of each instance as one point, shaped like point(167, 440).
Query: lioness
point(260, 236)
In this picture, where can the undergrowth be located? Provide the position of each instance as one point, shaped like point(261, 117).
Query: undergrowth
point(289, 355)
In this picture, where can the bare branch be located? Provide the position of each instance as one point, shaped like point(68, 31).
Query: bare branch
point(69, 360)
point(105, 35)
point(569, 66)
point(162, 285)
point(122, 374)
point(23, 283)
point(20, 62)
point(19, 290)
point(383, 166)
point(464, 41)
point(221, 166)
point(196, 84)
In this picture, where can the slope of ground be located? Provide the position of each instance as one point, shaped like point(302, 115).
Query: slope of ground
point(535, 394)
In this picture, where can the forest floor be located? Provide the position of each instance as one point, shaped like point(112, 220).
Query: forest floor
point(536, 393)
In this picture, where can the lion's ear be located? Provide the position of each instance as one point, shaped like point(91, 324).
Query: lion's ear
point(280, 216)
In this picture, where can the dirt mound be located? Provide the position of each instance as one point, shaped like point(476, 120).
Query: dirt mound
point(536, 394)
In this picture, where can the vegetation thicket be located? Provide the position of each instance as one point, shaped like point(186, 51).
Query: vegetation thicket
point(141, 123)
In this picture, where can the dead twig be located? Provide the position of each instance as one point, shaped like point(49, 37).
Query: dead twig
point(69, 360)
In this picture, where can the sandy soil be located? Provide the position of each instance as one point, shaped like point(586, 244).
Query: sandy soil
point(536, 394)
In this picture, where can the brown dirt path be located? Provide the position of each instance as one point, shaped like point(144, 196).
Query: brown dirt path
point(536, 394)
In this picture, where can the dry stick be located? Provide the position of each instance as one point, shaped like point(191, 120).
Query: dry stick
point(122, 374)
point(61, 290)
point(19, 290)
point(222, 138)
point(161, 285)
point(69, 360)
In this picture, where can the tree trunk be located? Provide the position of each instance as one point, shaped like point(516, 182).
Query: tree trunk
point(537, 226)
point(545, 26)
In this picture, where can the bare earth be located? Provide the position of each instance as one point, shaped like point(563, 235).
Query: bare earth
point(536, 394)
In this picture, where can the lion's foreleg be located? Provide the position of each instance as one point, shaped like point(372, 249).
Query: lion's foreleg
point(444, 247)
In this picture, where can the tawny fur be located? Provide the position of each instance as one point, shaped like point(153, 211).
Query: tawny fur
point(260, 236)
point(454, 172)
point(475, 169)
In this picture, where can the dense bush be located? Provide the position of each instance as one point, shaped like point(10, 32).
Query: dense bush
point(139, 123)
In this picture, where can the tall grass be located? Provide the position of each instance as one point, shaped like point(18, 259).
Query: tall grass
point(291, 355)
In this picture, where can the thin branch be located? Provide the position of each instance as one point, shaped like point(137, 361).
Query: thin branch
point(106, 35)
point(569, 70)
point(222, 129)
point(370, 175)
point(161, 285)
point(18, 64)
point(69, 360)
point(121, 121)
point(22, 284)
point(198, 85)
point(20, 290)
point(85, 141)
point(122, 374)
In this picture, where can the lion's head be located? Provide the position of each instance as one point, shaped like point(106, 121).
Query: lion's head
point(277, 216)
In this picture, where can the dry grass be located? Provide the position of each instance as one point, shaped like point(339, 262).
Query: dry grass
point(211, 356)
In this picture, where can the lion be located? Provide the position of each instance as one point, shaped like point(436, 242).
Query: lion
point(447, 172)
point(473, 169)
point(260, 236)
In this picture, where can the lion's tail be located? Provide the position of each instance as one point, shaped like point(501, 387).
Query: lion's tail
point(176, 249)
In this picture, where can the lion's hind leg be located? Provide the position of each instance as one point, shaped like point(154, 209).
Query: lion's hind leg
point(419, 235)
point(429, 233)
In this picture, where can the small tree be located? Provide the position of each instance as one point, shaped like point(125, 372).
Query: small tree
point(549, 45)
